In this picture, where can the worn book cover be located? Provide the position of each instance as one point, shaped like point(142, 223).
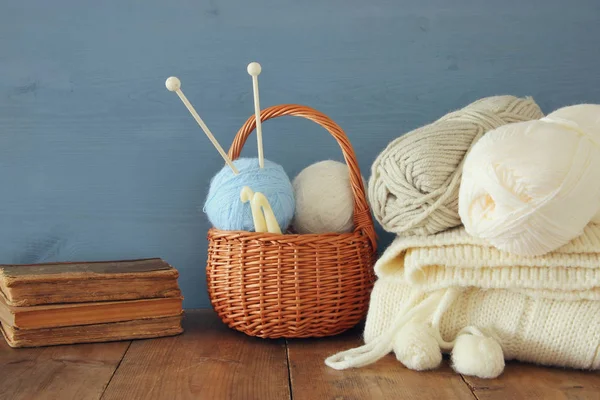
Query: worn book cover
point(77, 282)
point(115, 331)
point(58, 315)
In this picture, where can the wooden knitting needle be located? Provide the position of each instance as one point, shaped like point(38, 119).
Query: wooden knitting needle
point(254, 70)
point(173, 84)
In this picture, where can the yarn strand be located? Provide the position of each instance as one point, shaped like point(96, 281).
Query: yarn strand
point(382, 345)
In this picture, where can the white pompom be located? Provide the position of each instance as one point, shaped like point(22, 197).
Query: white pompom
point(479, 356)
point(324, 199)
point(415, 347)
point(531, 187)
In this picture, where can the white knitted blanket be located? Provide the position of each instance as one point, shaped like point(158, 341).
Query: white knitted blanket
point(454, 282)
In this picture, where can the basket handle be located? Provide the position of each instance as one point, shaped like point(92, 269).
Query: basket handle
point(362, 214)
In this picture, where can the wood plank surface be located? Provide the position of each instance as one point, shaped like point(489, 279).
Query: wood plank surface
point(211, 361)
point(208, 361)
point(62, 372)
point(387, 379)
point(531, 382)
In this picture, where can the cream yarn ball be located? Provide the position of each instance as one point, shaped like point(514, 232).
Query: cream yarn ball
point(324, 199)
point(528, 188)
point(413, 189)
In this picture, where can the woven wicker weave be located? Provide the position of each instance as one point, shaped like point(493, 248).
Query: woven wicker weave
point(292, 285)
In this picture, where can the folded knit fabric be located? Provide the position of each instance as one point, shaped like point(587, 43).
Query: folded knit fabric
point(456, 259)
point(432, 291)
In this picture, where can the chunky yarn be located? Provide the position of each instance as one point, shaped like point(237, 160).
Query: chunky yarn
point(224, 207)
point(531, 187)
point(414, 182)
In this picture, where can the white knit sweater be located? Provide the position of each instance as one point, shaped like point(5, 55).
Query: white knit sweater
point(454, 258)
point(537, 330)
point(539, 309)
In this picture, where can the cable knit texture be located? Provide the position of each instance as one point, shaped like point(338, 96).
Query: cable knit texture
point(414, 182)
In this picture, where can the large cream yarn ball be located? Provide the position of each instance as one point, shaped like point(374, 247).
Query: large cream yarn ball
point(324, 199)
point(530, 187)
point(414, 182)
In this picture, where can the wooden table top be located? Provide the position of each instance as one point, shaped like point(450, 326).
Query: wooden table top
point(211, 361)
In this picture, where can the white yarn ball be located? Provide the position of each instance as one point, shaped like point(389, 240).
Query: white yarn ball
point(530, 187)
point(478, 356)
point(416, 347)
point(324, 199)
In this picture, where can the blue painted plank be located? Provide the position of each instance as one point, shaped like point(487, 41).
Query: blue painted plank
point(99, 161)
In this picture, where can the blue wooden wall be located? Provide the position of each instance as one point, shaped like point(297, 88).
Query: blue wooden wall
point(99, 161)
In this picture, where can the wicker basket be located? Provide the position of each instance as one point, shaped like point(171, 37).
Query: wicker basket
point(292, 285)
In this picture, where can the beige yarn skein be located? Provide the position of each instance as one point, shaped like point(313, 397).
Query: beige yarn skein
point(413, 188)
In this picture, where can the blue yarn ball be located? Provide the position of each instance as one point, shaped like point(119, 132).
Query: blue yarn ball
point(223, 205)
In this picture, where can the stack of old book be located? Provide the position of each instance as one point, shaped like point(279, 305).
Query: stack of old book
point(66, 303)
